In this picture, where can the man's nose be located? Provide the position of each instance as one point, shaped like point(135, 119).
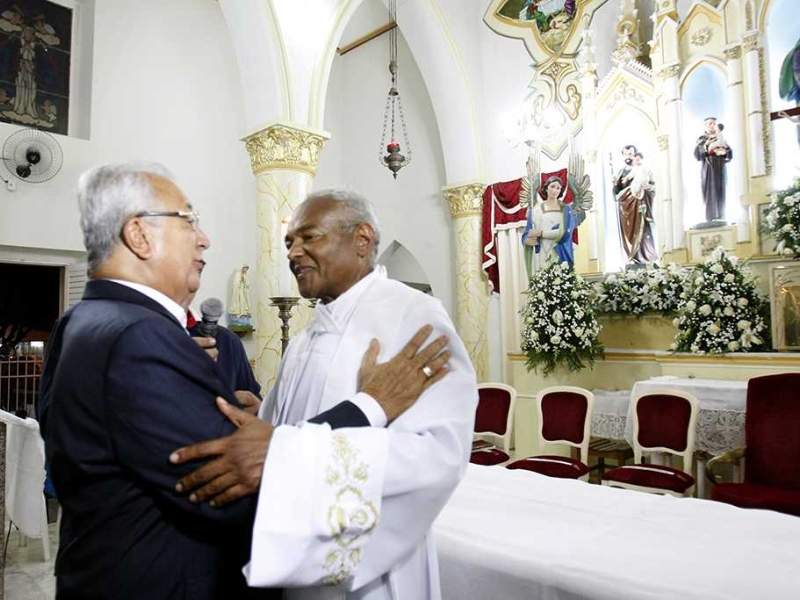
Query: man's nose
point(294, 251)
point(202, 239)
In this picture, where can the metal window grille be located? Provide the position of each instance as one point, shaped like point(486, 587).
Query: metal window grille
point(19, 378)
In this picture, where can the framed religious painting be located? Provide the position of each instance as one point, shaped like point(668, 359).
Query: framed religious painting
point(35, 59)
point(784, 296)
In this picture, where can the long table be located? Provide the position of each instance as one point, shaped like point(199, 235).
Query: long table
point(515, 534)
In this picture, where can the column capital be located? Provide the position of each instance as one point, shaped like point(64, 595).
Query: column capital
point(670, 71)
point(464, 199)
point(285, 146)
point(733, 52)
point(663, 142)
point(750, 41)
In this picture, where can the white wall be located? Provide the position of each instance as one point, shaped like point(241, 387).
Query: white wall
point(165, 88)
point(411, 210)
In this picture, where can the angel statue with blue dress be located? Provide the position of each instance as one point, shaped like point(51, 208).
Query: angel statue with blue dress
point(550, 231)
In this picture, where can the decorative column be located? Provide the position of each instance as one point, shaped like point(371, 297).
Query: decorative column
point(664, 191)
point(472, 293)
point(737, 169)
point(673, 109)
point(589, 139)
point(284, 161)
point(754, 108)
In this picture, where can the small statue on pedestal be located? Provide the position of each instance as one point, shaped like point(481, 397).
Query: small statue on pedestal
point(240, 317)
point(714, 153)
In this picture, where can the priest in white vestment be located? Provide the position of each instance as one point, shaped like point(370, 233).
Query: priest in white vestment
point(367, 496)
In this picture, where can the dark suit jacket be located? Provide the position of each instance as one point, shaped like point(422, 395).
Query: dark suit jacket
point(123, 387)
point(232, 360)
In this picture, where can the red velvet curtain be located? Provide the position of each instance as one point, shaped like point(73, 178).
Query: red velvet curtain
point(500, 207)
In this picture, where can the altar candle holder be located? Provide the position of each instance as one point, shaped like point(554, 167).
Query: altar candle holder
point(285, 304)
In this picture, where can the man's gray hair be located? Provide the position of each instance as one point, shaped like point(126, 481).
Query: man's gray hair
point(108, 196)
point(359, 210)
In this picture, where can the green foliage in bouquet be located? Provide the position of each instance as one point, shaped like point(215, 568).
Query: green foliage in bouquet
point(782, 220)
point(724, 311)
point(638, 291)
point(559, 324)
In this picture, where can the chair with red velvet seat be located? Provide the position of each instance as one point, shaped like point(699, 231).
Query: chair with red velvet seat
point(494, 418)
point(772, 454)
point(565, 417)
point(664, 421)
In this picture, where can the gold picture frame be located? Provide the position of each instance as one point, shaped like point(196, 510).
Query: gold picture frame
point(784, 297)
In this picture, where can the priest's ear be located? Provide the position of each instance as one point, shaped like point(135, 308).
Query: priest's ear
point(364, 237)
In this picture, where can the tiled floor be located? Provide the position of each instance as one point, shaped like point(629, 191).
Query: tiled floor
point(27, 576)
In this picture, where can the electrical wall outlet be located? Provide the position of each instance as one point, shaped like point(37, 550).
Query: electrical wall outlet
point(11, 185)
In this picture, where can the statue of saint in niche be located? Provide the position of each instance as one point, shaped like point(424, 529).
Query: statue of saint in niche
point(634, 192)
point(714, 153)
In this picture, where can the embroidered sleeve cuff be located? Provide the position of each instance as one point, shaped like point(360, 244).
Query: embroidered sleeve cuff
point(371, 409)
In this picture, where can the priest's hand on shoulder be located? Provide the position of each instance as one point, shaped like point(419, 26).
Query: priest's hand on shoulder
point(236, 470)
point(398, 383)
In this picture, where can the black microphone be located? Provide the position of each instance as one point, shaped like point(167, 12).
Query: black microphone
point(211, 310)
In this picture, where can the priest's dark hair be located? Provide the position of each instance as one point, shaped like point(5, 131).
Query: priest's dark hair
point(629, 147)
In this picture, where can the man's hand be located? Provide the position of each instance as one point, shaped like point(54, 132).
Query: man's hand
point(397, 384)
point(249, 401)
point(209, 345)
point(236, 472)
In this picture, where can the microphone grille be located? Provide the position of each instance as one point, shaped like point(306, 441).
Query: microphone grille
point(212, 307)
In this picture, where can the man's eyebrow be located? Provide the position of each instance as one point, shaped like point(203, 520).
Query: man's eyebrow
point(303, 229)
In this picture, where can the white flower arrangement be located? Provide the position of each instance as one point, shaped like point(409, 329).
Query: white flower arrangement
point(782, 220)
point(559, 324)
point(635, 292)
point(723, 311)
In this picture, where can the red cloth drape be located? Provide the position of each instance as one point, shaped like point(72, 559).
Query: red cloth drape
point(500, 208)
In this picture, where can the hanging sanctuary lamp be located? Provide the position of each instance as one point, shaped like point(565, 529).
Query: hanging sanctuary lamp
point(393, 113)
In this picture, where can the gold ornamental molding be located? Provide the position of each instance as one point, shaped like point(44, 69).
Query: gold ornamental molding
point(701, 37)
point(465, 199)
point(671, 71)
point(750, 42)
point(766, 124)
point(744, 359)
point(733, 53)
point(663, 142)
point(282, 146)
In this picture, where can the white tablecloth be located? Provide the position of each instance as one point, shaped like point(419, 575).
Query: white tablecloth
point(25, 502)
point(515, 534)
point(610, 413)
point(720, 424)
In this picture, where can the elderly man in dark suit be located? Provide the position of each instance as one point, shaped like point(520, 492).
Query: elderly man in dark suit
point(124, 385)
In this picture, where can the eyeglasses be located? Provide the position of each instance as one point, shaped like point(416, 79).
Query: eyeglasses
point(191, 217)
